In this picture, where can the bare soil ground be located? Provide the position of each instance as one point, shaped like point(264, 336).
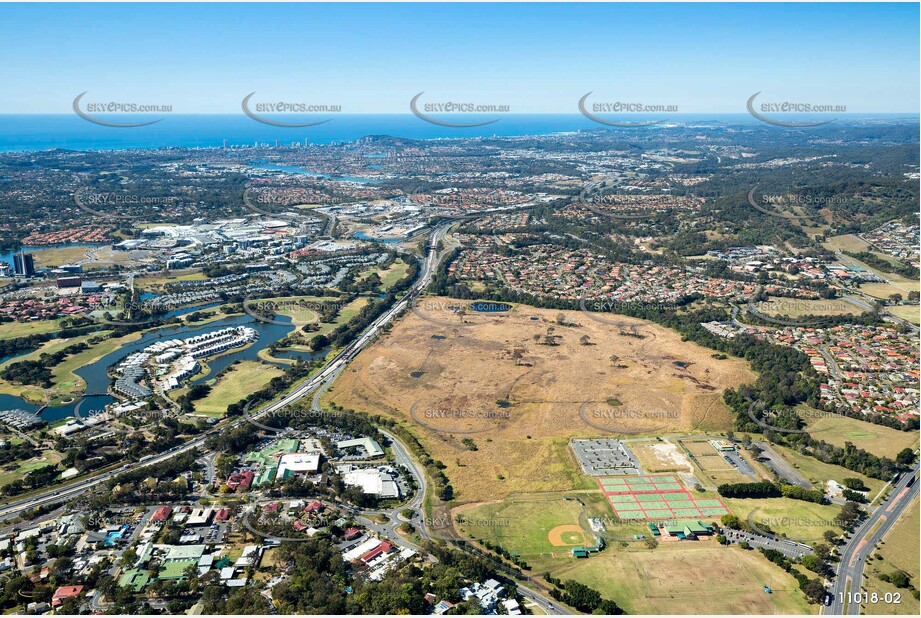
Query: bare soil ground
point(516, 386)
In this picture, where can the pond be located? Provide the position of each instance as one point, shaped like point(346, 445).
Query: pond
point(96, 374)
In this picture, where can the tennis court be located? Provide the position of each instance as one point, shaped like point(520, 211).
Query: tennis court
point(656, 497)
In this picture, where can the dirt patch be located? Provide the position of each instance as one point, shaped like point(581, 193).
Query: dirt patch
point(566, 536)
point(496, 397)
point(661, 457)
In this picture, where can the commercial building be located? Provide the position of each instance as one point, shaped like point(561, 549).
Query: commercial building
point(380, 482)
point(23, 264)
point(297, 463)
point(370, 448)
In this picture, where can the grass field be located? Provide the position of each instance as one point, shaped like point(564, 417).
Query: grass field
point(299, 340)
point(523, 399)
point(524, 525)
point(11, 330)
point(712, 466)
point(48, 347)
point(877, 439)
point(899, 551)
point(795, 519)
point(147, 283)
point(51, 258)
point(389, 276)
point(242, 380)
point(906, 312)
point(65, 382)
point(63, 377)
point(897, 283)
point(846, 242)
point(685, 578)
point(298, 308)
point(819, 473)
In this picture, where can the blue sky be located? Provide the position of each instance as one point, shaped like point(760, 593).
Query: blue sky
point(372, 58)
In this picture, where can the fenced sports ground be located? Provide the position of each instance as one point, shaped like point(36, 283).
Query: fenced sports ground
point(657, 497)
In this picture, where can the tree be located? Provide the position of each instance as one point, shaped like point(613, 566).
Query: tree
point(814, 590)
point(854, 483)
point(822, 550)
point(900, 579)
point(906, 457)
point(814, 563)
point(731, 521)
point(745, 545)
point(831, 536)
point(850, 514)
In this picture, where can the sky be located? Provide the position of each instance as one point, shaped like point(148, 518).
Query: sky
point(537, 58)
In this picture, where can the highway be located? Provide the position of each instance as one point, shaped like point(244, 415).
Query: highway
point(430, 264)
point(862, 543)
point(319, 383)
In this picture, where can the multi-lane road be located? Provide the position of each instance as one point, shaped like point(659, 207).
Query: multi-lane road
point(317, 384)
point(862, 543)
point(430, 264)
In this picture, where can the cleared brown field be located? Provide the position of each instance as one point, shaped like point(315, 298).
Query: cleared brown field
point(657, 456)
point(493, 380)
point(847, 242)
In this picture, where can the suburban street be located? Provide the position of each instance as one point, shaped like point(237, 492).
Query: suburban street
point(318, 384)
point(332, 368)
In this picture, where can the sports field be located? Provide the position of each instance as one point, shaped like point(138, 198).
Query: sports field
point(657, 497)
point(877, 439)
point(528, 525)
point(685, 578)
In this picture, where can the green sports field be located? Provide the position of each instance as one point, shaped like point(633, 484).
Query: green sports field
point(523, 524)
point(656, 497)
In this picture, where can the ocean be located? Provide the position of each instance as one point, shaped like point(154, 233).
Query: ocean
point(20, 133)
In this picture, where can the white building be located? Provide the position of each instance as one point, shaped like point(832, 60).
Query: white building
point(297, 463)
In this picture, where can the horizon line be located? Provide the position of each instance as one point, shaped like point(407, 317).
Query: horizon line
point(501, 114)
